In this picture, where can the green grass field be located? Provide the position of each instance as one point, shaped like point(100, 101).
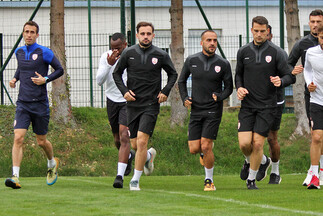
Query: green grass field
point(160, 195)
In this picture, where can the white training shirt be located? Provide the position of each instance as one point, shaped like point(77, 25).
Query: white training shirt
point(313, 72)
point(104, 74)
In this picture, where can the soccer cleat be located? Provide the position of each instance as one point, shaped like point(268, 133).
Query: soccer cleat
point(129, 165)
point(245, 170)
point(208, 185)
point(251, 184)
point(262, 172)
point(149, 165)
point(118, 182)
point(134, 186)
point(201, 159)
point(308, 178)
point(315, 183)
point(321, 177)
point(52, 173)
point(13, 182)
point(274, 179)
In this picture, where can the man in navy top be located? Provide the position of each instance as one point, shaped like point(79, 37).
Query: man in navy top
point(32, 104)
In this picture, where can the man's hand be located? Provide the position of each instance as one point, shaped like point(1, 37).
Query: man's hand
point(113, 57)
point(12, 83)
point(129, 96)
point(161, 97)
point(276, 81)
point(40, 80)
point(214, 97)
point(188, 102)
point(241, 93)
point(311, 87)
point(297, 69)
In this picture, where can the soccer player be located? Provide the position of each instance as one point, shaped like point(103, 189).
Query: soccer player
point(274, 147)
point(116, 106)
point(32, 104)
point(208, 71)
point(313, 74)
point(299, 51)
point(261, 68)
point(144, 94)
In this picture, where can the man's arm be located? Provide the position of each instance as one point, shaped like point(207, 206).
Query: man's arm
point(103, 70)
point(182, 81)
point(308, 72)
point(118, 71)
point(294, 55)
point(171, 73)
point(228, 84)
point(284, 69)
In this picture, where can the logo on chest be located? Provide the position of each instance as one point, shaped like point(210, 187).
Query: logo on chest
point(34, 57)
point(217, 69)
point(268, 59)
point(154, 61)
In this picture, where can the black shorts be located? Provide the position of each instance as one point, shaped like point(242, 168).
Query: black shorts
point(278, 117)
point(36, 113)
point(316, 112)
point(206, 126)
point(142, 119)
point(256, 120)
point(116, 114)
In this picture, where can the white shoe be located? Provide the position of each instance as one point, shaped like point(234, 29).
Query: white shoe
point(149, 165)
point(308, 178)
point(134, 186)
point(321, 177)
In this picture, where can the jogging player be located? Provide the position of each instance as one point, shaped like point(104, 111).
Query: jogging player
point(313, 74)
point(299, 51)
point(32, 104)
point(261, 68)
point(208, 71)
point(143, 93)
point(116, 106)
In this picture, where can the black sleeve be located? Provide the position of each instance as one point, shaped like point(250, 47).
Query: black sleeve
point(17, 74)
point(284, 69)
point(228, 84)
point(171, 73)
point(58, 70)
point(294, 55)
point(118, 71)
point(239, 71)
point(182, 81)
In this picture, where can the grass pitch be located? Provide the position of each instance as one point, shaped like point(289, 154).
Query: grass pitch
point(160, 195)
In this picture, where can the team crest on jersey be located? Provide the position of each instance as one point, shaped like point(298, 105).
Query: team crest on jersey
point(217, 69)
point(154, 60)
point(35, 56)
point(268, 59)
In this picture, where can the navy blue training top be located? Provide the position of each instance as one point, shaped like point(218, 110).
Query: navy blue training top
point(31, 59)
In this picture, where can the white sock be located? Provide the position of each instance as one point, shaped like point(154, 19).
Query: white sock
point(264, 159)
point(15, 171)
point(321, 163)
point(51, 163)
point(136, 176)
point(209, 173)
point(315, 170)
point(148, 156)
point(121, 169)
point(247, 158)
point(252, 174)
point(275, 167)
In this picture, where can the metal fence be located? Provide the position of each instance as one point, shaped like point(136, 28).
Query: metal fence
point(78, 61)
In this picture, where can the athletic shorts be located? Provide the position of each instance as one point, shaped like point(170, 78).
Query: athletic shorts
point(316, 112)
point(142, 119)
point(204, 125)
point(117, 114)
point(36, 113)
point(278, 117)
point(256, 120)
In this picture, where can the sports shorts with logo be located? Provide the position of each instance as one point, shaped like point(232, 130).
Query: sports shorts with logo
point(316, 112)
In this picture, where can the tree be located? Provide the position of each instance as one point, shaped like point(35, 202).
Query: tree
point(61, 103)
point(293, 34)
point(178, 112)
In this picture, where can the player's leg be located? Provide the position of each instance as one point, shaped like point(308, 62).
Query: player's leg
point(206, 146)
point(274, 149)
point(315, 152)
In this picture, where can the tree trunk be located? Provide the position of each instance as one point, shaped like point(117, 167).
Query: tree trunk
point(61, 103)
point(293, 34)
point(178, 111)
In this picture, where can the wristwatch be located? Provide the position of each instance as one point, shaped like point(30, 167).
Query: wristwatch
point(46, 79)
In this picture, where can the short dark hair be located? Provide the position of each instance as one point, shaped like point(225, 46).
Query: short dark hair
point(261, 20)
point(207, 31)
point(31, 23)
point(316, 12)
point(141, 24)
point(269, 26)
point(117, 36)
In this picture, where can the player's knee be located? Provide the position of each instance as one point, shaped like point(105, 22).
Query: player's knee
point(316, 139)
point(257, 146)
point(19, 139)
point(41, 142)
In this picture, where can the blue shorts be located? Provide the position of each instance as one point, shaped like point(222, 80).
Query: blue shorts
point(36, 113)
